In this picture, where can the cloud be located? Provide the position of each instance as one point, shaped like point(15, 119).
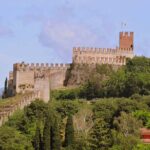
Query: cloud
point(65, 35)
point(5, 31)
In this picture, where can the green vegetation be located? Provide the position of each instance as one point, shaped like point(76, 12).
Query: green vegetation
point(5, 93)
point(37, 141)
point(105, 113)
point(112, 123)
point(69, 132)
point(100, 135)
point(12, 139)
point(144, 116)
point(51, 133)
point(103, 81)
point(11, 100)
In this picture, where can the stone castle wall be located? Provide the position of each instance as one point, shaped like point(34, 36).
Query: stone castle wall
point(102, 56)
point(37, 77)
point(7, 110)
point(116, 56)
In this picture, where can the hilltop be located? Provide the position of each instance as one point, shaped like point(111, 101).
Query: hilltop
point(41, 77)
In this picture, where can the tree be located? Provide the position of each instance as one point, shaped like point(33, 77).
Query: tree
point(142, 115)
point(47, 134)
point(132, 84)
point(35, 112)
point(55, 136)
point(127, 124)
point(90, 90)
point(11, 139)
point(37, 143)
point(51, 132)
point(105, 108)
point(69, 132)
point(5, 89)
point(142, 147)
point(120, 142)
point(129, 106)
point(100, 135)
point(66, 108)
point(116, 84)
point(126, 134)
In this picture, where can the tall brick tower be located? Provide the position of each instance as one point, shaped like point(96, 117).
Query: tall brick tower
point(126, 40)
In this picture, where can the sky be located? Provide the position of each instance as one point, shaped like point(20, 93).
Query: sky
point(45, 31)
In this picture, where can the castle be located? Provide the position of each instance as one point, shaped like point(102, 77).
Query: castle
point(116, 56)
point(43, 77)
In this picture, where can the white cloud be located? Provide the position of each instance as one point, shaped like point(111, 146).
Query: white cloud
point(64, 36)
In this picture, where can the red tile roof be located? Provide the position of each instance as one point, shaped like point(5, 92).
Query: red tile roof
point(145, 135)
point(145, 131)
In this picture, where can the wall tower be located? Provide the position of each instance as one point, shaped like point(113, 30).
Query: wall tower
point(126, 40)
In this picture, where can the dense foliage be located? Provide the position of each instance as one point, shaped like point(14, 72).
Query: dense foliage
point(69, 132)
point(71, 122)
point(104, 81)
point(71, 125)
point(5, 92)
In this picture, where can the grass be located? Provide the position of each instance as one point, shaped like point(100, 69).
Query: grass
point(11, 100)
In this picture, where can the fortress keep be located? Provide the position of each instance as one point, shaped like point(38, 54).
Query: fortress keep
point(43, 77)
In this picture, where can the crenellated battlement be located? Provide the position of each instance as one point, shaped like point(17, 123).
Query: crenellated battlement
point(126, 40)
point(126, 34)
point(38, 66)
point(115, 56)
point(93, 50)
point(84, 50)
point(35, 76)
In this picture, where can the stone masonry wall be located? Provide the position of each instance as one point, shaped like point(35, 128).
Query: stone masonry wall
point(102, 56)
point(38, 77)
point(7, 110)
point(115, 56)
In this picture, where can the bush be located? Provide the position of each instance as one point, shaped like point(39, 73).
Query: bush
point(66, 94)
point(11, 139)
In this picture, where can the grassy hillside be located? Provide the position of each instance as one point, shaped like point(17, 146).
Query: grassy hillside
point(97, 123)
point(9, 101)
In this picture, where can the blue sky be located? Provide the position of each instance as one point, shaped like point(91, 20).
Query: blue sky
point(46, 30)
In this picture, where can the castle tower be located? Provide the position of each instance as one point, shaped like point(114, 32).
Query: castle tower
point(126, 40)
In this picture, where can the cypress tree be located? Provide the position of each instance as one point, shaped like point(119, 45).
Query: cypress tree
point(37, 140)
point(55, 136)
point(51, 133)
point(47, 134)
point(5, 89)
point(69, 132)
